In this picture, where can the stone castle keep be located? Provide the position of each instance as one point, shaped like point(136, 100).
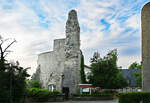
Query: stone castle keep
point(60, 68)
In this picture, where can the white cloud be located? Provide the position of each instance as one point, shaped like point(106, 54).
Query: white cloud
point(22, 22)
point(134, 21)
point(125, 61)
point(117, 36)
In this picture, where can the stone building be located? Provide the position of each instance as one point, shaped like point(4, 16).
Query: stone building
point(60, 68)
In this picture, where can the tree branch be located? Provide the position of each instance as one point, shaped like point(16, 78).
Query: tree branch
point(9, 45)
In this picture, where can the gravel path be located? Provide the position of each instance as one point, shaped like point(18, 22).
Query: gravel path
point(106, 101)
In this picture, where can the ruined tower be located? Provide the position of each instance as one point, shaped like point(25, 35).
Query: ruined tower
point(146, 47)
point(72, 53)
point(60, 68)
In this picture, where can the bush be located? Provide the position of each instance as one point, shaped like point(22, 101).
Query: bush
point(134, 97)
point(94, 95)
point(12, 84)
point(35, 84)
point(40, 93)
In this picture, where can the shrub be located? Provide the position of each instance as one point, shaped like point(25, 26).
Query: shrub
point(134, 97)
point(35, 84)
point(12, 84)
point(94, 95)
point(40, 93)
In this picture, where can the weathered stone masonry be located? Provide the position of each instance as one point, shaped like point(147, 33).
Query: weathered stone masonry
point(146, 47)
point(61, 66)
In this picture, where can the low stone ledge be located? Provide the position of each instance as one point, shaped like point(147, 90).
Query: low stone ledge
point(91, 98)
point(58, 98)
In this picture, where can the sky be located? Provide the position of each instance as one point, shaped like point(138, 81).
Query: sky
point(105, 25)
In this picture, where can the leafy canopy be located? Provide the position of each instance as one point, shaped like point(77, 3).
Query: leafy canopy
point(135, 65)
point(35, 84)
point(105, 73)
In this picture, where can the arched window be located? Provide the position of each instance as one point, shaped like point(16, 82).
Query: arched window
point(52, 87)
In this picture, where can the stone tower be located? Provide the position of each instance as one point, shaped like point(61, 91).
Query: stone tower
point(146, 47)
point(72, 54)
point(60, 68)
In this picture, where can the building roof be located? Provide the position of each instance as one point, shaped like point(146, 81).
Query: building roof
point(128, 74)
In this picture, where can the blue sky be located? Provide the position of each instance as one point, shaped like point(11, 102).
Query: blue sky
point(105, 25)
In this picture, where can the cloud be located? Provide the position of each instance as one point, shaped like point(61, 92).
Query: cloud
point(105, 25)
point(120, 28)
point(125, 61)
point(22, 24)
point(134, 22)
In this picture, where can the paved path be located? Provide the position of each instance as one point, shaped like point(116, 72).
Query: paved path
point(107, 101)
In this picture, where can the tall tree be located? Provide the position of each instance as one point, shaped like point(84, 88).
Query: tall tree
point(12, 76)
point(82, 72)
point(4, 51)
point(105, 73)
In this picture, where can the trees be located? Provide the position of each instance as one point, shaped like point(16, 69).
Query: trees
point(12, 83)
point(105, 73)
point(35, 84)
point(12, 76)
point(4, 51)
point(82, 73)
point(135, 65)
point(138, 76)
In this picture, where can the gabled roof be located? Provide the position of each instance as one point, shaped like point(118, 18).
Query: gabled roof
point(129, 75)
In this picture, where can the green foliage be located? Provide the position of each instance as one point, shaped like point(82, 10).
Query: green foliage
point(12, 76)
point(18, 83)
point(27, 82)
point(93, 95)
point(40, 93)
point(121, 81)
point(134, 97)
point(135, 65)
point(4, 87)
point(138, 77)
point(35, 84)
point(12, 83)
point(83, 79)
point(2, 65)
point(105, 73)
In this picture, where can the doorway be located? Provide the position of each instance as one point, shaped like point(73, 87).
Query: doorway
point(66, 92)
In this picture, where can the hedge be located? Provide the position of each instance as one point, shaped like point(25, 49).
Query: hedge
point(134, 97)
point(93, 95)
point(40, 93)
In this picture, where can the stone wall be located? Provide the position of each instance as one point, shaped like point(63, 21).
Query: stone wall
point(57, 98)
point(146, 47)
point(52, 65)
